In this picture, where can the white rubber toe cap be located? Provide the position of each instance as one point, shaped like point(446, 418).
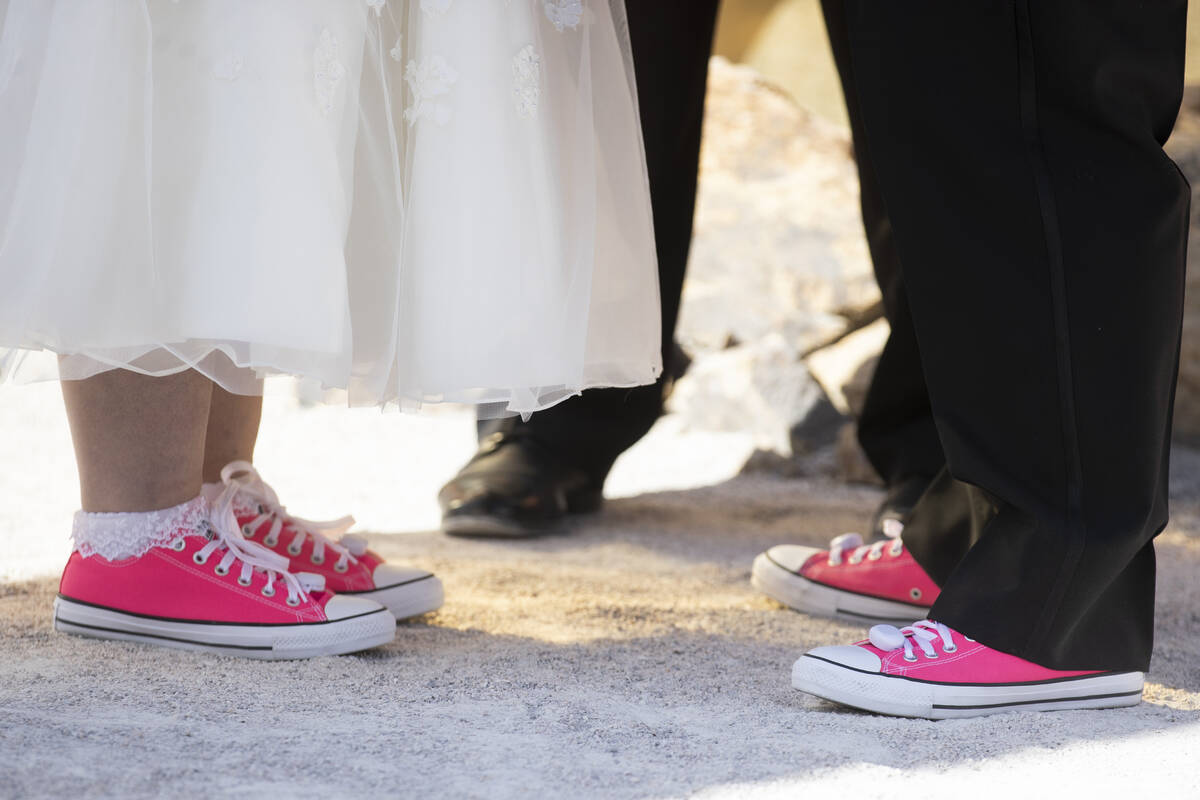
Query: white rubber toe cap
point(342, 607)
point(386, 575)
point(791, 556)
point(851, 656)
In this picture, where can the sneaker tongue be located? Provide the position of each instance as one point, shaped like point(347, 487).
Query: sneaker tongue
point(357, 545)
point(886, 637)
point(311, 581)
point(242, 505)
point(847, 541)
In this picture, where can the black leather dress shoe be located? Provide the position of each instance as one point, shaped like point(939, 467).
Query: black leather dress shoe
point(515, 485)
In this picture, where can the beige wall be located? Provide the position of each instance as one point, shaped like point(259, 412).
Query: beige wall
point(785, 40)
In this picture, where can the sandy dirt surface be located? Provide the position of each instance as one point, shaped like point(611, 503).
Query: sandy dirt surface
point(626, 656)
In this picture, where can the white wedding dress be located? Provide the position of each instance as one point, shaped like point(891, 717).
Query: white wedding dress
point(416, 200)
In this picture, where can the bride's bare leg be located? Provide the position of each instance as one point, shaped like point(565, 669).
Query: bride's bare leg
point(233, 421)
point(139, 441)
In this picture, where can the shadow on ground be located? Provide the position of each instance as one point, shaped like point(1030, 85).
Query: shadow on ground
point(626, 656)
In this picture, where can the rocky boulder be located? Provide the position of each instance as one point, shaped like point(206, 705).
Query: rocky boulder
point(1184, 147)
point(779, 266)
point(778, 244)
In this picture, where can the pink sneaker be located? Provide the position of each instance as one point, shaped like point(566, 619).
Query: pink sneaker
point(348, 567)
point(928, 670)
point(183, 577)
point(880, 582)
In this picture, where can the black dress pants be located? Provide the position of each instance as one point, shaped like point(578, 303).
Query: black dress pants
point(895, 428)
point(1042, 231)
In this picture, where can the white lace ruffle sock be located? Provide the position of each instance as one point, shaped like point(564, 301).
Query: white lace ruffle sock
point(121, 535)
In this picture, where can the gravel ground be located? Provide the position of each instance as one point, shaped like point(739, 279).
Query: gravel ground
point(626, 656)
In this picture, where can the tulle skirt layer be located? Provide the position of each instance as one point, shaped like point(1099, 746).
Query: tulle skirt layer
point(415, 200)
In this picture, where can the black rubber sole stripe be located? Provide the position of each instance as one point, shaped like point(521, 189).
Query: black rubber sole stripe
point(217, 622)
point(918, 609)
point(944, 683)
point(1016, 703)
point(165, 638)
point(841, 612)
point(389, 586)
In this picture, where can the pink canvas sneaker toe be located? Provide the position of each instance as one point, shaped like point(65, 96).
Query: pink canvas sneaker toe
point(324, 548)
point(193, 583)
point(929, 670)
point(879, 582)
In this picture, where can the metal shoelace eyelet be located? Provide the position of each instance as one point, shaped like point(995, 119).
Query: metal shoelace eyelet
point(909, 658)
point(914, 593)
point(243, 581)
point(247, 531)
point(268, 591)
point(896, 549)
point(855, 560)
point(949, 648)
point(293, 601)
point(340, 567)
point(222, 571)
point(271, 542)
point(178, 545)
point(875, 555)
point(314, 559)
point(199, 559)
point(294, 551)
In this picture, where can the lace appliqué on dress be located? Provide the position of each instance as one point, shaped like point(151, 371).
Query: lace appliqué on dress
point(430, 79)
point(328, 71)
point(527, 81)
point(8, 67)
point(119, 536)
point(563, 13)
point(228, 67)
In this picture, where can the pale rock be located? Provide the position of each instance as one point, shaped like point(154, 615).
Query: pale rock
point(762, 388)
point(844, 368)
point(779, 245)
point(1184, 147)
point(851, 463)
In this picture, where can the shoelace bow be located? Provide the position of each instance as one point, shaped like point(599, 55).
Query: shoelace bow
point(253, 489)
point(853, 542)
point(922, 634)
point(227, 538)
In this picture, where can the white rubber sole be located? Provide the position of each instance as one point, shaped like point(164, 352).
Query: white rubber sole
point(906, 697)
point(810, 597)
point(409, 599)
point(272, 642)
